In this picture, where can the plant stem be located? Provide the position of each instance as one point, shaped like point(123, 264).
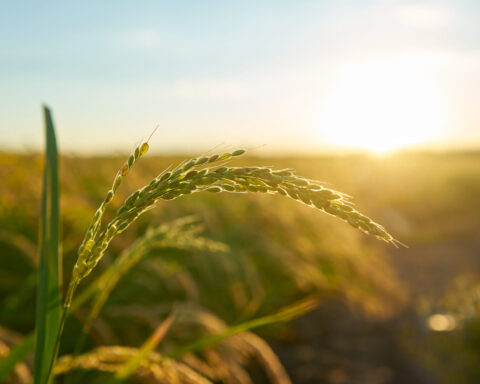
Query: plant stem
point(57, 343)
point(66, 305)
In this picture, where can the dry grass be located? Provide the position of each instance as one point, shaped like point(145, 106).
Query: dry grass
point(154, 369)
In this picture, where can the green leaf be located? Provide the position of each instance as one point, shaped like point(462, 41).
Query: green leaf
point(49, 270)
point(286, 314)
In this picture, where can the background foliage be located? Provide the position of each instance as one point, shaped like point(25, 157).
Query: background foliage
point(375, 300)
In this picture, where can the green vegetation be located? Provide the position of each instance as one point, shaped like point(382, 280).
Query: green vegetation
point(48, 323)
point(195, 288)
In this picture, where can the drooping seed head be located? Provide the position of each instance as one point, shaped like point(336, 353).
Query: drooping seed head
point(184, 181)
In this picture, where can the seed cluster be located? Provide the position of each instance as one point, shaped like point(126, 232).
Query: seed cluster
point(89, 240)
point(211, 174)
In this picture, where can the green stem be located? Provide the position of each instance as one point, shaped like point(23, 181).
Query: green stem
point(66, 306)
point(57, 343)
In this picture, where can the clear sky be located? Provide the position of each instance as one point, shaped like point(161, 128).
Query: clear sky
point(295, 75)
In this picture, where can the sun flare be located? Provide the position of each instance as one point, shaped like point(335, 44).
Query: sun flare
point(383, 105)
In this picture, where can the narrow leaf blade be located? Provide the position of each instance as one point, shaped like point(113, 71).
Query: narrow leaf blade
point(284, 315)
point(146, 348)
point(49, 271)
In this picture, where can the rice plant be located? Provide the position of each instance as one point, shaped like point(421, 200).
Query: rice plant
point(204, 174)
point(212, 174)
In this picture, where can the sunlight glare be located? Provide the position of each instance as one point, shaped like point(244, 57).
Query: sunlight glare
point(441, 322)
point(382, 105)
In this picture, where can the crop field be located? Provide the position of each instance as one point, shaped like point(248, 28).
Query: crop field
point(257, 288)
point(255, 192)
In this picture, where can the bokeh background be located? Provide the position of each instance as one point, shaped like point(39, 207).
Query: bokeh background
point(379, 99)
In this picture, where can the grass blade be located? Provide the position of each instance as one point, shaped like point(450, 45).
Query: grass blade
point(152, 342)
point(48, 296)
point(284, 315)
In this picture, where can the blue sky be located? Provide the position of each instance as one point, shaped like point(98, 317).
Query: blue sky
point(294, 75)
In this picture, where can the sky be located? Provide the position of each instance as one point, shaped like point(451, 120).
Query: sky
point(275, 76)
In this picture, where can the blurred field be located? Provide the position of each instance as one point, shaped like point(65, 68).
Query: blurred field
point(372, 324)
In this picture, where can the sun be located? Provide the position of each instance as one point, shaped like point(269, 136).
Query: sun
point(382, 105)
